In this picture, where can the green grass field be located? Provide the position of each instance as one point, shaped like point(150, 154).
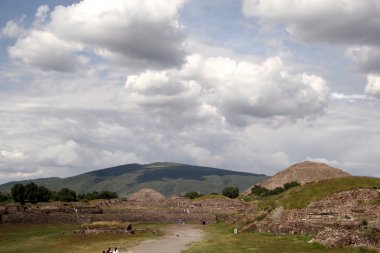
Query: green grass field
point(41, 238)
point(219, 238)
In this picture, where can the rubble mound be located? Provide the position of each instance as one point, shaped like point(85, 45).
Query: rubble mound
point(342, 238)
point(347, 218)
point(303, 173)
point(147, 195)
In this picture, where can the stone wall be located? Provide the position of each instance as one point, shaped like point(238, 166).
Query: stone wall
point(167, 211)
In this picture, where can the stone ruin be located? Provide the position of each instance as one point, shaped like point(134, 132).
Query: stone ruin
point(115, 229)
point(348, 218)
point(156, 209)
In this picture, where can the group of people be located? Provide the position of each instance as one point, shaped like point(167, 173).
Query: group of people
point(111, 251)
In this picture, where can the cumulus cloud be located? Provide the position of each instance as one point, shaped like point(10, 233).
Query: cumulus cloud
point(12, 29)
point(372, 88)
point(44, 49)
point(227, 89)
point(354, 24)
point(136, 33)
point(341, 21)
point(367, 58)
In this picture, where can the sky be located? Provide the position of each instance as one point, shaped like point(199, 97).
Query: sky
point(246, 85)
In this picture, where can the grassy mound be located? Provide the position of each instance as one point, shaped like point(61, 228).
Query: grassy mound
point(301, 196)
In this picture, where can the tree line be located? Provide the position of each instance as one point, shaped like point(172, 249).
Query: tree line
point(260, 191)
point(230, 192)
point(33, 193)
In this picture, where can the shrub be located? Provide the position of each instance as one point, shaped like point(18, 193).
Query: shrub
point(264, 192)
point(259, 191)
point(193, 195)
point(231, 192)
point(96, 195)
point(4, 196)
point(291, 185)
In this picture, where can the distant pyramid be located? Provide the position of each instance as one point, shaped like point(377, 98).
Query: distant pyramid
point(303, 173)
point(147, 195)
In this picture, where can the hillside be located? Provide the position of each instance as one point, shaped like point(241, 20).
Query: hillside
point(166, 178)
point(304, 172)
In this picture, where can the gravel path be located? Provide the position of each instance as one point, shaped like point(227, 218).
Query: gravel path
point(176, 240)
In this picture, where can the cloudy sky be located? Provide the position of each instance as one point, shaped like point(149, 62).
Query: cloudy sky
point(251, 85)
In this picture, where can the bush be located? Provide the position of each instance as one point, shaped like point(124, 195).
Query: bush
point(107, 195)
point(291, 185)
point(4, 196)
point(96, 195)
point(193, 195)
point(259, 191)
point(231, 192)
point(264, 192)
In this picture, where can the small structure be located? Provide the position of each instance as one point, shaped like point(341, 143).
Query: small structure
point(147, 195)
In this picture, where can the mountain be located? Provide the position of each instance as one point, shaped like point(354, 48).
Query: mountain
point(304, 172)
point(167, 178)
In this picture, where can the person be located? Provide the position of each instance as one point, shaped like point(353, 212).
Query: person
point(109, 250)
point(116, 250)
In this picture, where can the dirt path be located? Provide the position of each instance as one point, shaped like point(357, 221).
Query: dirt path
point(176, 240)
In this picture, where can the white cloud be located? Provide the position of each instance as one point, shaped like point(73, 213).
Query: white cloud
point(12, 29)
point(44, 49)
point(137, 33)
point(367, 58)
point(339, 21)
point(372, 88)
point(221, 108)
point(236, 91)
point(12, 156)
point(353, 24)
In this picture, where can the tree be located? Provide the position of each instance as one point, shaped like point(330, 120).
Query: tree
point(31, 193)
point(107, 195)
point(18, 193)
point(66, 195)
point(43, 194)
point(231, 192)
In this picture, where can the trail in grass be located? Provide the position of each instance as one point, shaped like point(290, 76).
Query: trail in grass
point(176, 240)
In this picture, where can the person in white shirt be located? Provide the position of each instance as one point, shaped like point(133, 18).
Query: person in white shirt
point(115, 251)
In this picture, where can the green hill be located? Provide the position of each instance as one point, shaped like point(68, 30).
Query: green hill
point(168, 178)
